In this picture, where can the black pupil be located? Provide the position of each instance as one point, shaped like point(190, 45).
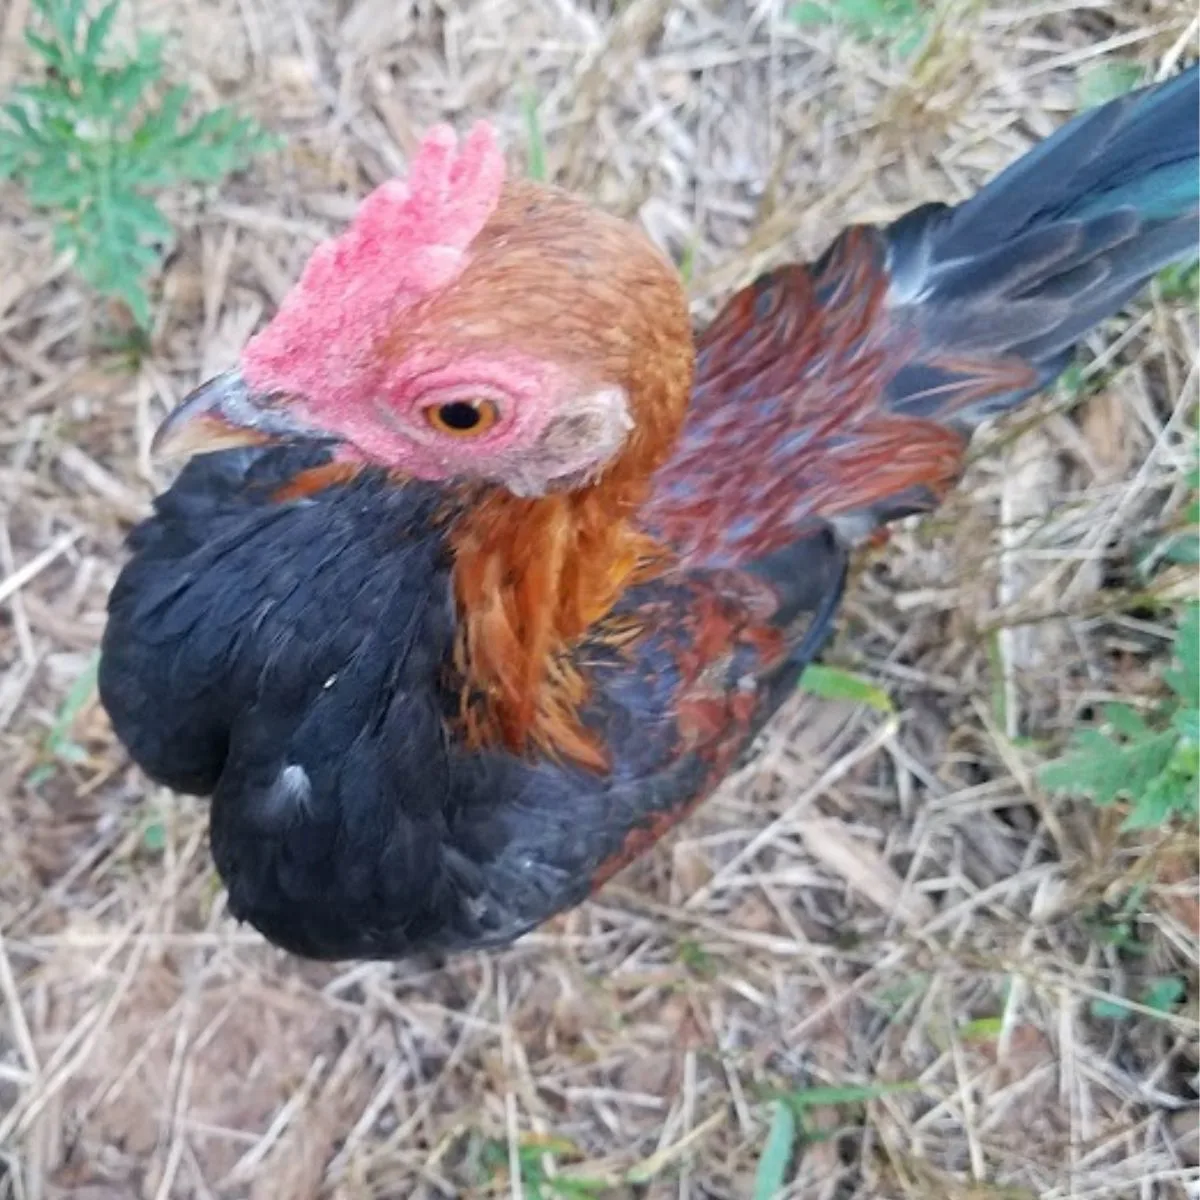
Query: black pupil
point(460, 416)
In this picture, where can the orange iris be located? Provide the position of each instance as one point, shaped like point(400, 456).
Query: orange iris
point(463, 418)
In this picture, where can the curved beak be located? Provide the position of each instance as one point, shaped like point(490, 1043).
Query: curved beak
point(224, 413)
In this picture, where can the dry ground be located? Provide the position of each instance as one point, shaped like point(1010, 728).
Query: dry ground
point(873, 900)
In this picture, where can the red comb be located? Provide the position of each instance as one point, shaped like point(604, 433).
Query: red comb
point(407, 239)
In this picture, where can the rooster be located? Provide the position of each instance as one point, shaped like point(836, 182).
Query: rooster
point(483, 573)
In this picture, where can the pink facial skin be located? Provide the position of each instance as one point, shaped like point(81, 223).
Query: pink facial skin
point(387, 423)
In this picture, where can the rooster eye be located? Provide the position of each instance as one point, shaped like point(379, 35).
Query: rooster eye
point(463, 418)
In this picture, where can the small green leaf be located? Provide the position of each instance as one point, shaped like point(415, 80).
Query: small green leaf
point(809, 13)
point(1167, 794)
point(154, 836)
point(903, 21)
point(1110, 1010)
point(99, 30)
point(697, 960)
point(907, 43)
point(1071, 380)
point(832, 683)
point(144, 216)
point(996, 670)
point(1125, 720)
point(74, 702)
point(984, 1029)
point(1164, 993)
point(123, 87)
point(1184, 550)
point(1180, 281)
point(771, 1173)
point(1106, 80)
point(1105, 770)
point(160, 125)
point(48, 51)
point(68, 18)
point(121, 286)
point(687, 263)
point(1186, 723)
point(1185, 681)
point(19, 115)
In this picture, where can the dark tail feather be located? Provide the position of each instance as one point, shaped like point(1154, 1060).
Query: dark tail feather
point(1055, 244)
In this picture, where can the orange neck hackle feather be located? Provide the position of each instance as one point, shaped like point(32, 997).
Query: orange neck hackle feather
point(532, 575)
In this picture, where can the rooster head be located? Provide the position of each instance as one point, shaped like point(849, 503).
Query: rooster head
point(468, 328)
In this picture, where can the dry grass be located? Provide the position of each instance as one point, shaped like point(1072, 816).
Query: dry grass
point(870, 901)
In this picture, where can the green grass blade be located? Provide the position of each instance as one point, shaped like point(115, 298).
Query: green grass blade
point(771, 1174)
point(848, 1093)
point(536, 165)
point(832, 683)
point(58, 740)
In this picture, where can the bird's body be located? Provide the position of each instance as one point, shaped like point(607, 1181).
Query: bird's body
point(292, 660)
point(433, 707)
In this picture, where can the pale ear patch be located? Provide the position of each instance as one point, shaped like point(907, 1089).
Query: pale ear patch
point(575, 446)
point(407, 240)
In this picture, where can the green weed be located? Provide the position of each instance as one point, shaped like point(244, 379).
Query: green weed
point(833, 683)
point(1151, 763)
point(536, 1182)
point(789, 1132)
point(97, 139)
point(1162, 994)
point(535, 166)
point(902, 22)
point(771, 1174)
point(59, 745)
point(1107, 79)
